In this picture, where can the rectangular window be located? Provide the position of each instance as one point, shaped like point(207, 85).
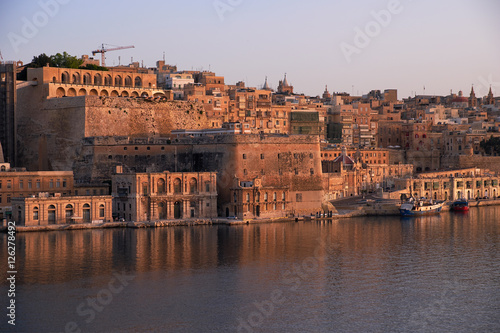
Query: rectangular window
point(207, 187)
point(21, 184)
point(30, 185)
point(64, 182)
point(8, 198)
point(58, 183)
point(35, 215)
point(51, 183)
point(244, 156)
point(298, 197)
point(261, 156)
point(9, 184)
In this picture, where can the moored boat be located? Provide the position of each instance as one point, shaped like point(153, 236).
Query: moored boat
point(419, 207)
point(460, 205)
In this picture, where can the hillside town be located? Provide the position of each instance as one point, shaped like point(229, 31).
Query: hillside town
point(130, 143)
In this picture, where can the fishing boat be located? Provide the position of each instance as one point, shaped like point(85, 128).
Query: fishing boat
point(419, 207)
point(460, 205)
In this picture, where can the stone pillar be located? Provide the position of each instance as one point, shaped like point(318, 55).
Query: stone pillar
point(153, 211)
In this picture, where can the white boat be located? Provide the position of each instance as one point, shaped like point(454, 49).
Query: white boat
point(418, 207)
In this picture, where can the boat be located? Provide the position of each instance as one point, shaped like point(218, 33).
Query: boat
point(460, 205)
point(419, 207)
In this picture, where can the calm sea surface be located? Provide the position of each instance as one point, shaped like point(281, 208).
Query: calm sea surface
point(387, 274)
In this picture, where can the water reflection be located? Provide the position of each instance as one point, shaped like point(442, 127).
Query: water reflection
point(363, 274)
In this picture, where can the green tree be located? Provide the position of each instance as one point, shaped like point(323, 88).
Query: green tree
point(66, 61)
point(492, 146)
point(94, 67)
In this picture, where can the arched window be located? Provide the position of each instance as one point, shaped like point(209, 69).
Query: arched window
point(160, 186)
point(76, 78)
point(138, 82)
point(128, 81)
point(65, 77)
point(52, 214)
point(108, 81)
point(35, 213)
point(2, 168)
point(86, 213)
point(97, 79)
point(177, 185)
point(87, 79)
point(193, 186)
point(118, 80)
point(101, 210)
point(54, 80)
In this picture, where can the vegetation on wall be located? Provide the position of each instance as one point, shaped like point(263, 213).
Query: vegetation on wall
point(63, 60)
point(492, 146)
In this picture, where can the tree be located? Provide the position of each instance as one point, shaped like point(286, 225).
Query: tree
point(40, 61)
point(93, 67)
point(492, 146)
point(66, 61)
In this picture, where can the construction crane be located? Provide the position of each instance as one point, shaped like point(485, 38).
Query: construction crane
point(103, 50)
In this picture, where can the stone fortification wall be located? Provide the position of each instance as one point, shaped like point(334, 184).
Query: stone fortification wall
point(51, 131)
point(111, 116)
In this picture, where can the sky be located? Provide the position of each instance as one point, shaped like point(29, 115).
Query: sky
point(415, 46)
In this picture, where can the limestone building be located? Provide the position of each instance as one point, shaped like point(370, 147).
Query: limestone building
point(164, 196)
point(15, 183)
point(46, 210)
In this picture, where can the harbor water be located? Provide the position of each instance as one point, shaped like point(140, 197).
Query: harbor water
point(368, 274)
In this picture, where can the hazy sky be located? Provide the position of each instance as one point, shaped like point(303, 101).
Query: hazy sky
point(352, 46)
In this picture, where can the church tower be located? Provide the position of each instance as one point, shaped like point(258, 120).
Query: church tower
point(490, 100)
point(326, 95)
point(472, 98)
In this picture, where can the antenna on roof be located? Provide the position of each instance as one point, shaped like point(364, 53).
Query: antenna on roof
point(163, 55)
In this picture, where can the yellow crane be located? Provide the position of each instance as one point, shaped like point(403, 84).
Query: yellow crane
point(103, 50)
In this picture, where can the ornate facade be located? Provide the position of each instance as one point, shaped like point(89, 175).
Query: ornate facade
point(48, 210)
point(164, 195)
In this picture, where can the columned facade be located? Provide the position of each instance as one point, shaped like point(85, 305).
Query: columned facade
point(165, 196)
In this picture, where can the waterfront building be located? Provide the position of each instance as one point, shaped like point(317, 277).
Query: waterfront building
point(153, 196)
point(45, 209)
point(472, 183)
point(17, 182)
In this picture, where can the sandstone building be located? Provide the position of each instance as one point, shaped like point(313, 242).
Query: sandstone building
point(46, 210)
point(164, 196)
